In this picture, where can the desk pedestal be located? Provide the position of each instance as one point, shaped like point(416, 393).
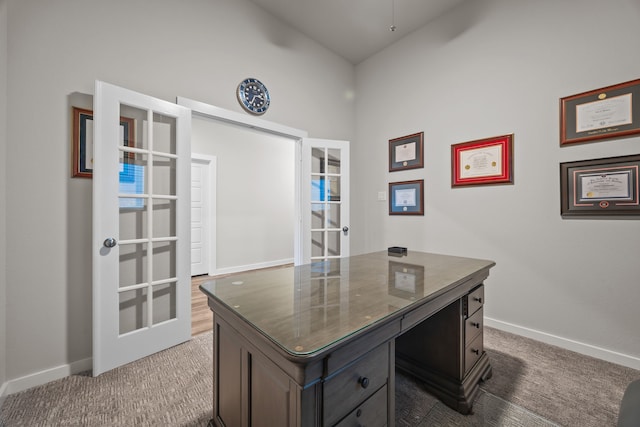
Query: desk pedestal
point(446, 352)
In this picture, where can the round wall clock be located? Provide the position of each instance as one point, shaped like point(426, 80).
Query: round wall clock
point(253, 96)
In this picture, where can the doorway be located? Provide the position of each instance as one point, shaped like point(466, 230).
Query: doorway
point(253, 224)
point(203, 209)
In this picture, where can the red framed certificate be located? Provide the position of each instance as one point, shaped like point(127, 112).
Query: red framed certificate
point(482, 162)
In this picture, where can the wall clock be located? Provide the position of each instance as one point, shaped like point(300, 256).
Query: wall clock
point(253, 96)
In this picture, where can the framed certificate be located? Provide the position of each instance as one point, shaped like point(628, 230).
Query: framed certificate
point(600, 187)
point(406, 198)
point(482, 162)
point(609, 112)
point(406, 152)
point(82, 141)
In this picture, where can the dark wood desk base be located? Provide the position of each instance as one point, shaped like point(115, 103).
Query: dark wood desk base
point(446, 352)
point(458, 395)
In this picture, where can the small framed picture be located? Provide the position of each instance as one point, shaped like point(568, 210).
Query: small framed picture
point(406, 152)
point(82, 122)
point(482, 162)
point(608, 112)
point(600, 187)
point(406, 198)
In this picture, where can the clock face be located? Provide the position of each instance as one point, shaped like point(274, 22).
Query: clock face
point(253, 96)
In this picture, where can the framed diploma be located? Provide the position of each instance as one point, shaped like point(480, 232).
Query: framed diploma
point(82, 141)
point(600, 187)
point(482, 162)
point(609, 112)
point(406, 198)
point(406, 152)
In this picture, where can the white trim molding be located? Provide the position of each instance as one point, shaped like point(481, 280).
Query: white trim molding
point(249, 267)
point(3, 393)
point(566, 343)
point(46, 376)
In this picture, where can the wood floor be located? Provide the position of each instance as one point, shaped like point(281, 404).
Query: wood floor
point(201, 315)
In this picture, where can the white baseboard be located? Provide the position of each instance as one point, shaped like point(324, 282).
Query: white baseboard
point(568, 344)
point(3, 393)
point(241, 268)
point(48, 375)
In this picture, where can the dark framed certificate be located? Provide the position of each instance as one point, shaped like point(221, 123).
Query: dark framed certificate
point(406, 198)
point(406, 152)
point(608, 112)
point(82, 141)
point(600, 187)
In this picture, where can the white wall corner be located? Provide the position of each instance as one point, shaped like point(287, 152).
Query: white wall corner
point(568, 344)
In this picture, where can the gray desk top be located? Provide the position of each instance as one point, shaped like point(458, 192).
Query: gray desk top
point(306, 308)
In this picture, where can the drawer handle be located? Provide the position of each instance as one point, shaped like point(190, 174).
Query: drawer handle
point(478, 299)
point(364, 382)
point(358, 412)
point(475, 325)
point(473, 350)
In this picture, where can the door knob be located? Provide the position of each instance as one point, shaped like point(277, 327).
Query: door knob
point(109, 242)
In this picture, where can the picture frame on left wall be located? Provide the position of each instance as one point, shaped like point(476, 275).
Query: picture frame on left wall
point(82, 140)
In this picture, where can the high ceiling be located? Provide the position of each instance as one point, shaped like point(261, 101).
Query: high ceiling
point(356, 29)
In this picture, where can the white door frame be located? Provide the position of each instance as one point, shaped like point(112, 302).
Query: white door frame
point(209, 202)
point(209, 111)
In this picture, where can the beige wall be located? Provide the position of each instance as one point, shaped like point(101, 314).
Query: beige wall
point(3, 165)
point(58, 48)
point(494, 67)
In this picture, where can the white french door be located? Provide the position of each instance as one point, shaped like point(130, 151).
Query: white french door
point(141, 227)
point(325, 199)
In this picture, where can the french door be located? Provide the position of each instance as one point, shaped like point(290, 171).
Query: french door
point(325, 199)
point(141, 227)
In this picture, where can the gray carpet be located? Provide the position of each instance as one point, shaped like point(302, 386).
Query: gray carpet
point(568, 388)
point(533, 385)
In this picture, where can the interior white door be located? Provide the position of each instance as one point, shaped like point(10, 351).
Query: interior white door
point(141, 230)
point(203, 173)
point(325, 199)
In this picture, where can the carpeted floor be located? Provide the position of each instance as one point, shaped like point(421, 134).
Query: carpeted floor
point(533, 385)
point(565, 387)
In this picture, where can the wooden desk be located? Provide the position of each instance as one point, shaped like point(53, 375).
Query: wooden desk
point(317, 345)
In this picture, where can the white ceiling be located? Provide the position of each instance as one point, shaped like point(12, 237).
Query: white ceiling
point(356, 29)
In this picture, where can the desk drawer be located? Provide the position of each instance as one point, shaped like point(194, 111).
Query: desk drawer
point(472, 353)
point(372, 413)
point(475, 300)
point(473, 326)
point(354, 384)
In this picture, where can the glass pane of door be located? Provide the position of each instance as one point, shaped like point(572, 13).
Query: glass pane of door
point(147, 219)
point(326, 224)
